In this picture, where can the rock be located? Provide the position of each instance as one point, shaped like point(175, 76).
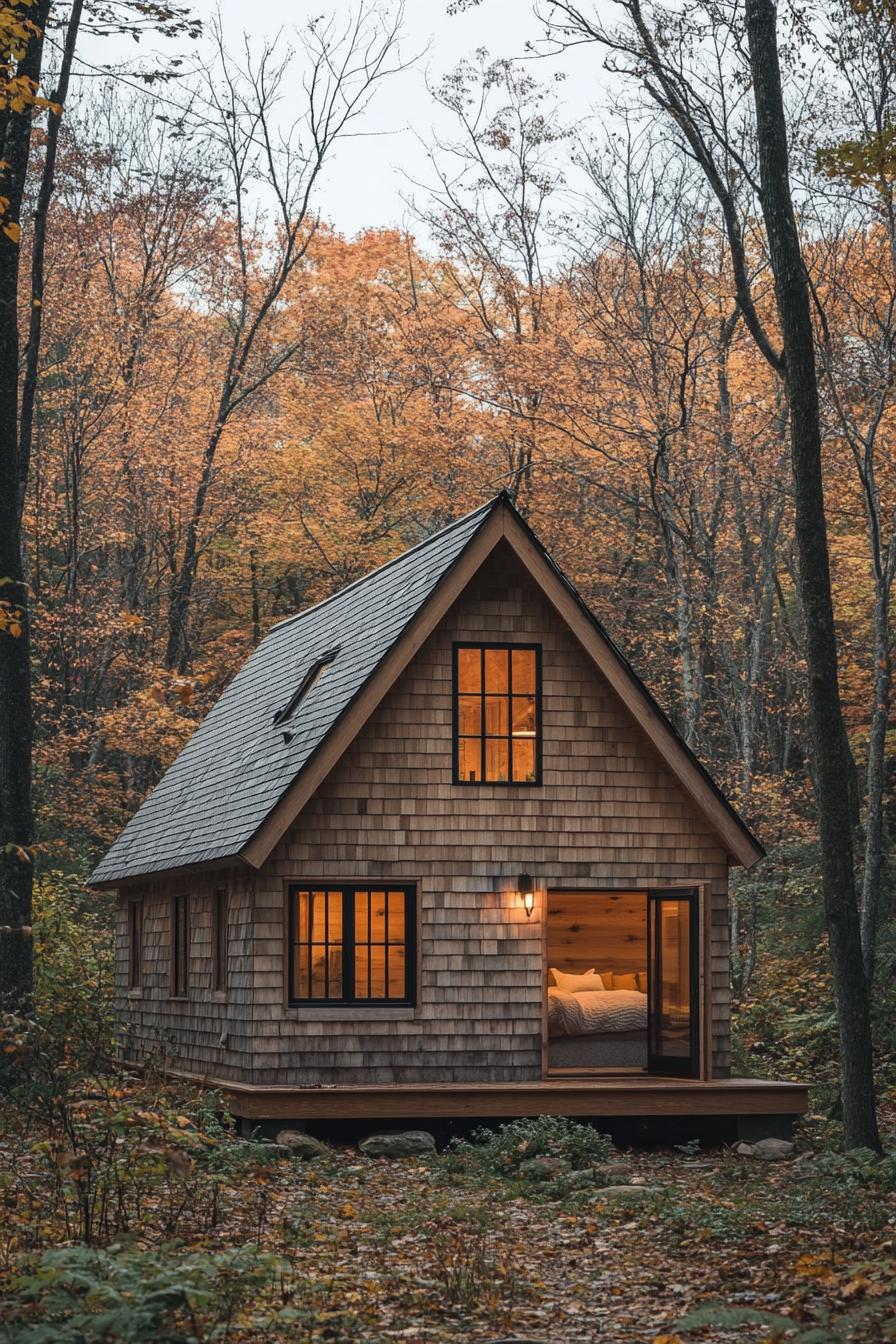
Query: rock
point(404, 1143)
point(265, 1151)
point(301, 1145)
point(575, 1180)
point(613, 1173)
point(773, 1150)
point(543, 1168)
point(627, 1194)
point(767, 1150)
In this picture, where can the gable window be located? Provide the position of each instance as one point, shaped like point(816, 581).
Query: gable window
point(219, 939)
point(352, 944)
point(497, 713)
point(135, 944)
point(180, 947)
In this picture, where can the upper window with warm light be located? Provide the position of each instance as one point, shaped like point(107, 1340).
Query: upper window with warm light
point(497, 714)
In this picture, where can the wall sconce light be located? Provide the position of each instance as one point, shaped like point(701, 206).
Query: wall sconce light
point(526, 890)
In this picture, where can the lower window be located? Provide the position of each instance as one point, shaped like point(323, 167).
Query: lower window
point(352, 944)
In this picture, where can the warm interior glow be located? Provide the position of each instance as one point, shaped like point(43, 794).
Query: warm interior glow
point(497, 714)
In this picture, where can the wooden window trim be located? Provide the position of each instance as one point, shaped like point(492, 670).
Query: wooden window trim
point(348, 1000)
point(180, 956)
point(135, 946)
point(455, 726)
point(220, 939)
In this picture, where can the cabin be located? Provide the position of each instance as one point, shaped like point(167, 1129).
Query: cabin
point(437, 852)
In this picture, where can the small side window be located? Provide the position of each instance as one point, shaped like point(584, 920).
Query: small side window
point(219, 939)
point(135, 944)
point(180, 947)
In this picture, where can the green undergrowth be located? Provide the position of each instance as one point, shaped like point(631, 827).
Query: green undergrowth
point(501, 1152)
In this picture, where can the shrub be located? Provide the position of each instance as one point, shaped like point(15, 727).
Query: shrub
point(92, 1160)
point(78, 1296)
point(500, 1152)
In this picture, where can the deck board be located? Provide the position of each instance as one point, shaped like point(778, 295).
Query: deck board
point(619, 1096)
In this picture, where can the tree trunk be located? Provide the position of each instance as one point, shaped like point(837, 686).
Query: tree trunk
point(874, 821)
point(16, 819)
point(831, 766)
point(178, 652)
point(38, 247)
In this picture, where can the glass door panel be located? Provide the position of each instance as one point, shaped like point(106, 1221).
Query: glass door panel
point(673, 983)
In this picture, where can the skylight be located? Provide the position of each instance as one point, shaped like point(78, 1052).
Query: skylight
point(310, 679)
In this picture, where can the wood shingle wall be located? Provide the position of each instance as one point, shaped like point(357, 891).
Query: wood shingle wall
point(608, 815)
point(208, 1033)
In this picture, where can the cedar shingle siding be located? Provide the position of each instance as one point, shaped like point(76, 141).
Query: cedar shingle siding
point(608, 814)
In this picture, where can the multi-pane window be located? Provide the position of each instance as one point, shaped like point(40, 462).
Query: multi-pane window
point(497, 714)
point(352, 944)
point(219, 939)
point(180, 947)
point(135, 944)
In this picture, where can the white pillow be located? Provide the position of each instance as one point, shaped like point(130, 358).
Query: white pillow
point(577, 984)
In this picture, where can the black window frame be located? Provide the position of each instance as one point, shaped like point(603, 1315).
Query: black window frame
point(483, 737)
point(135, 944)
point(220, 940)
point(180, 947)
point(348, 891)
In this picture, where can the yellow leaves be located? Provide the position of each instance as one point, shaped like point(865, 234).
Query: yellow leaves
point(13, 231)
point(184, 688)
point(666, 1339)
point(812, 1266)
point(19, 852)
point(12, 619)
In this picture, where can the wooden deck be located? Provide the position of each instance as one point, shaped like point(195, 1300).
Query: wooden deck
point(597, 1097)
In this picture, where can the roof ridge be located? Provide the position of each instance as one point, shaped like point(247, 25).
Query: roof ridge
point(387, 564)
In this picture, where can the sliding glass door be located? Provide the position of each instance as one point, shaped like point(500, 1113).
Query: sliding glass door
point(673, 983)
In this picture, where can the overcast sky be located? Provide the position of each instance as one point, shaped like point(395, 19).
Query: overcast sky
point(364, 181)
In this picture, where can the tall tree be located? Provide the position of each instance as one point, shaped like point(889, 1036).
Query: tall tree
point(659, 46)
point(343, 69)
point(22, 28)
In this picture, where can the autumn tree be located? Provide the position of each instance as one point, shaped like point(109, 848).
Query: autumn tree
point(686, 78)
point(343, 66)
point(23, 29)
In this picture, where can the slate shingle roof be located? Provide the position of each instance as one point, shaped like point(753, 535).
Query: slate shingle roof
point(237, 764)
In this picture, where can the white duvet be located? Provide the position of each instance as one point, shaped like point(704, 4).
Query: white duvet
point(595, 1010)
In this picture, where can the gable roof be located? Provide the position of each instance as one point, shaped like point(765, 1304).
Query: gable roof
point(247, 771)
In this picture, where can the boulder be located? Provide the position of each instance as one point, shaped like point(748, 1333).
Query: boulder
point(543, 1168)
point(301, 1145)
point(403, 1143)
point(767, 1150)
point(627, 1194)
point(613, 1173)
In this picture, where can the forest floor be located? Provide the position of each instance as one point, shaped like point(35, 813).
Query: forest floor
point(252, 1245)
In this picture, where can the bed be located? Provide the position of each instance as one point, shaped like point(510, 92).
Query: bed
point(597, 1028)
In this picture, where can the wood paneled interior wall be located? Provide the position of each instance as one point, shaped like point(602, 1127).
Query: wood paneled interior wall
point(604, 930)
